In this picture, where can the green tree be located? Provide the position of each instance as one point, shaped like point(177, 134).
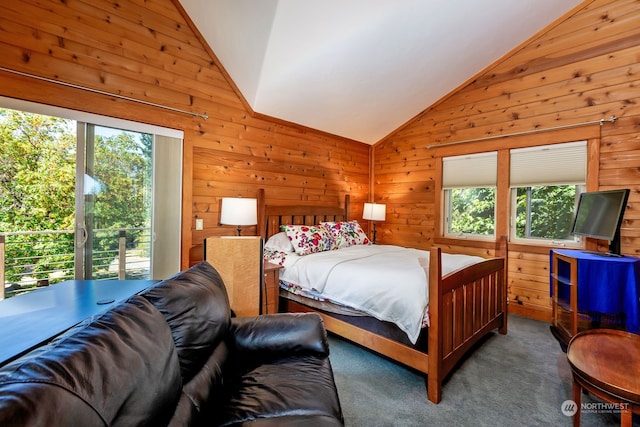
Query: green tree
point(37, 188)
point(37, 172)
point(124, 173)
point(547, 210)
point(473, 211)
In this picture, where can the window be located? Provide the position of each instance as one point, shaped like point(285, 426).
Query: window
point(545, 212)
point(546, 182)
point(469, 184)
point(85, 190)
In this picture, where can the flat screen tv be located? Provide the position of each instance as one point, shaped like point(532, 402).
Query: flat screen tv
point(599, 215)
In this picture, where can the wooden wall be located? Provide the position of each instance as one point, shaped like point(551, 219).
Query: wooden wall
point(145, 49)
point(583, 68)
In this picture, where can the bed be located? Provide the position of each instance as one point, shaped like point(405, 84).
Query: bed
point(464, 305)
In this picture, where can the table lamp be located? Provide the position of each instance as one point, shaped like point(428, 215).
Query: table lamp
point(239, 211)
point(374, 212)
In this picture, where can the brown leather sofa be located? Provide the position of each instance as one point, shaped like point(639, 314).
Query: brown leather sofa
point(174, 356)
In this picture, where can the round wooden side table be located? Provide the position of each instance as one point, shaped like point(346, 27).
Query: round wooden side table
point(606, 363)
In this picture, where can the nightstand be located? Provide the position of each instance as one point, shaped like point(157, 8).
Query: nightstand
point(270, 288)
point(238, 260)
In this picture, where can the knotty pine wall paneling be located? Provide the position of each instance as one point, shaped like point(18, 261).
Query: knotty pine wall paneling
point(147, 50)
point(584, 67)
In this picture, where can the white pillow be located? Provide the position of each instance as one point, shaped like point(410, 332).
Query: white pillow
point(279, 242)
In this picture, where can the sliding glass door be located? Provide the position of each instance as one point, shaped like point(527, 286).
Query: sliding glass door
point(87, 201)
point(114, 203)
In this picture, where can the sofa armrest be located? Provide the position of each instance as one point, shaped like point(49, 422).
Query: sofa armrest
point(280, 334)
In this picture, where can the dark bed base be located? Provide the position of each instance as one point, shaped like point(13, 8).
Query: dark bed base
point(367, 323)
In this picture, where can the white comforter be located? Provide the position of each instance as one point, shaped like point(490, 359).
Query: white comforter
point(384, 281)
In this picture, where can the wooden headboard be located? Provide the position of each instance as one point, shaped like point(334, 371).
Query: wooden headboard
point(271, 217)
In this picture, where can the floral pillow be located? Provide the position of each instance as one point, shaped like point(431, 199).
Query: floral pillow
point(346, 233)
point(307, 239)
point(277, 248)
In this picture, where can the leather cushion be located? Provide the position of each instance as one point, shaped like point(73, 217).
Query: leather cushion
point(286, 388)
point(205, 393)
point(278, 335)
point(195, 304)
point(118, 369)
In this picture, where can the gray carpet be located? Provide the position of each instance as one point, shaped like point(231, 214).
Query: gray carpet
point(518, 379)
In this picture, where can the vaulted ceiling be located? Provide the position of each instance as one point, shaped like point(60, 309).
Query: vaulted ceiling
point(361, 68)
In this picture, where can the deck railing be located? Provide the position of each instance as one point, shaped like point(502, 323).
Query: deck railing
point(29, 259)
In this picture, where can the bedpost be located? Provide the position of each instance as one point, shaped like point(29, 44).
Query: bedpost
point(503, 252)
point(262, 217)
point(500, 248)
point(434, 377)
point(347, 206)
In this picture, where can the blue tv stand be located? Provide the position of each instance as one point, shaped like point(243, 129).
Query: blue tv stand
point(593, 291)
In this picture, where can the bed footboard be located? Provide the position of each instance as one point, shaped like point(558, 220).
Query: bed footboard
point(464, 306)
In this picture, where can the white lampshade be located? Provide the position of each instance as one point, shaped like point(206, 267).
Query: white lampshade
point(374, 211)
point(239, 211)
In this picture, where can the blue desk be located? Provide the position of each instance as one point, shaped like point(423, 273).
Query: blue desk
point(29, 320)
point(608, 285)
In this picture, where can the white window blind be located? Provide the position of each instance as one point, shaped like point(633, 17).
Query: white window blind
point(469, 171)
point(557, 164)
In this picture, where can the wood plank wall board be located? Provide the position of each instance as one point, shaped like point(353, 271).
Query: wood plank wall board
point(145, 49)
point(526, 281)
point(583, 68)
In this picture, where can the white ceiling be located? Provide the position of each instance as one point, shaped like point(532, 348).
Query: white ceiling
point(361, 68)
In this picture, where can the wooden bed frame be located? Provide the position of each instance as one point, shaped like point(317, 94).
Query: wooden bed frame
point(464, 306)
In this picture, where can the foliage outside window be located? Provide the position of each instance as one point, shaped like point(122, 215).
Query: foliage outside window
point(545, 183)
point(37, 189)
point(545, 212)
point(469, 184)
point(471, 211)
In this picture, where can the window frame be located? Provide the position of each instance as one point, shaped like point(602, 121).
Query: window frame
point(575, 242)
point(446, 215)
point(590, 133)
point(167, 154)
point(479, 170)
point(544, 168)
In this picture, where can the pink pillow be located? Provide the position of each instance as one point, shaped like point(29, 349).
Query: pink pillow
point(307, 239)
point(346, 233)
